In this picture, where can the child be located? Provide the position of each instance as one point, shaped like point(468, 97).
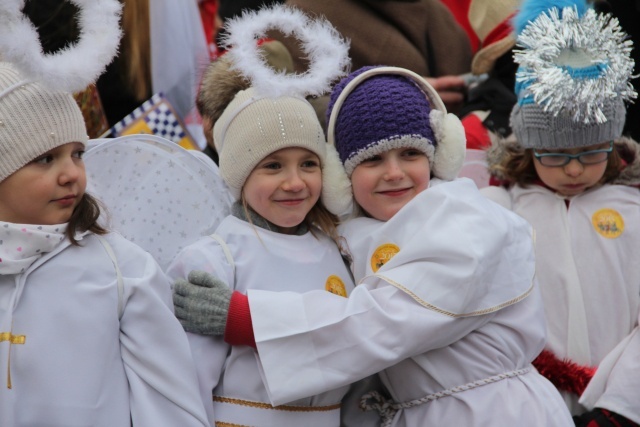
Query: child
point(86, 335)
point(562, 173)
point(446, 310)
point(279, 236)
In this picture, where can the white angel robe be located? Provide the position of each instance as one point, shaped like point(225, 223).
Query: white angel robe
point(446, 304)
point(589, 276)
point(261, 259)
point(78, 364)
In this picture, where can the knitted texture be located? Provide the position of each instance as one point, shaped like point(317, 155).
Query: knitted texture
point(381, 113)
point(573, 75)
point(252, 127)
point(33, 120)
point(536, 128)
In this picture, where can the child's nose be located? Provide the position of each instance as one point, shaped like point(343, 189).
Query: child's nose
point(70, 173)
point(393, 171)
point(293, 182)
point(573, 168)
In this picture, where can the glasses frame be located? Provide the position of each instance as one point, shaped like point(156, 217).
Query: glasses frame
point(568, 157)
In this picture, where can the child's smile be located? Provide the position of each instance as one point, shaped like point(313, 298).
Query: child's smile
point(383, 184)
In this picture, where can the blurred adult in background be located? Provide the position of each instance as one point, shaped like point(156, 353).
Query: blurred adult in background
point(489, 103)
point(420, 35)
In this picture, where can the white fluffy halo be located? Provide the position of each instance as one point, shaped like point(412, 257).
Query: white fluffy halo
point(74, 67)
point(598, 38)
point(326, 50)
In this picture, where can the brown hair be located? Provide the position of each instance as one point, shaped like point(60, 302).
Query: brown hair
point(136, 47)
point(516, 166)
point(85, 218)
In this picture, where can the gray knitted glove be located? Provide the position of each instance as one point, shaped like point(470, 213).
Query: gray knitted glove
point(202, 303)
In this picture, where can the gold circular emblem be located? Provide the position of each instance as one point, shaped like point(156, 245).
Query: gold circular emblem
point(608, 223)
point(382, 254)
point(335, 285)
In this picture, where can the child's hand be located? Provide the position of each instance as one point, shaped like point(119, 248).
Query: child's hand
point(451, 90)
point(202, 303)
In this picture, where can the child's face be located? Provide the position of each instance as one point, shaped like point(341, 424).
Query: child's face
point(47, 190)
point(383, 184)
point(284, 187)
point(574, 177)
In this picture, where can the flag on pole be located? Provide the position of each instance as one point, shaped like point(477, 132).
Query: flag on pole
point(155, 116)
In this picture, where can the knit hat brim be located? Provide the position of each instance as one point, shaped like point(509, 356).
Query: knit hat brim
point(252, 127)
point(33, 120)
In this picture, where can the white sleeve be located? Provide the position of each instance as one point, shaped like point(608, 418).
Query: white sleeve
point(616, 383)
point(314, 342)
point(499, 195)
point(209, 353)
point(155, 351)
point(206, 255)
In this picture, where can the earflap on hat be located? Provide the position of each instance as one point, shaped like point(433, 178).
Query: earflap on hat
point(574, 75)
point(449, 135)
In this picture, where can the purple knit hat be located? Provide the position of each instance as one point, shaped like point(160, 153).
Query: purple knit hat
point(383, 112)
point(377, 109)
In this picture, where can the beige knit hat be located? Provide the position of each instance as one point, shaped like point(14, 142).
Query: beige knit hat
point(490, 20)
point(33, 120)
point(252, 127)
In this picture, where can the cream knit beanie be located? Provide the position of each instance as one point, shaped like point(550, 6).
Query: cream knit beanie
point(252, 127)
point(33, 120)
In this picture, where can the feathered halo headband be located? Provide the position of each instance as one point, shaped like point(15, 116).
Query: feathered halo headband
point(327, 52)
point(572, 60)
point(72, 68)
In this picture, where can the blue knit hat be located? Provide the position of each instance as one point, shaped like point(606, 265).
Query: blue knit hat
point(376, 109)
point(573, 75)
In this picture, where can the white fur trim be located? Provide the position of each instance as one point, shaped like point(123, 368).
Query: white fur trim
point(72, 68)
point(337, 195)
point(327, 51)
point(452, 142)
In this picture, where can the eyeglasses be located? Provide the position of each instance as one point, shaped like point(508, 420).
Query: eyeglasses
point(591, 157)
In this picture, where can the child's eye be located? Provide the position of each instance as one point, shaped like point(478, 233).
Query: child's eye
point(412, 152)
point(43, 160)
point(272, 165)
point(372, 159)
point(310, 164)
point(79, 154)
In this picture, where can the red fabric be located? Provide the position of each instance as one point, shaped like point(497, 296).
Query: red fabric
point(564, 374)
point(208, 12)
point(239, 328)
point(477, 135)
point(498, 33)
point(460, 10)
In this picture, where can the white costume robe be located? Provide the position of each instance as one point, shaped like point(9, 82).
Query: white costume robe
point(261, 259)
point(589, 276)
point(78, 363)
point(456, 305)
